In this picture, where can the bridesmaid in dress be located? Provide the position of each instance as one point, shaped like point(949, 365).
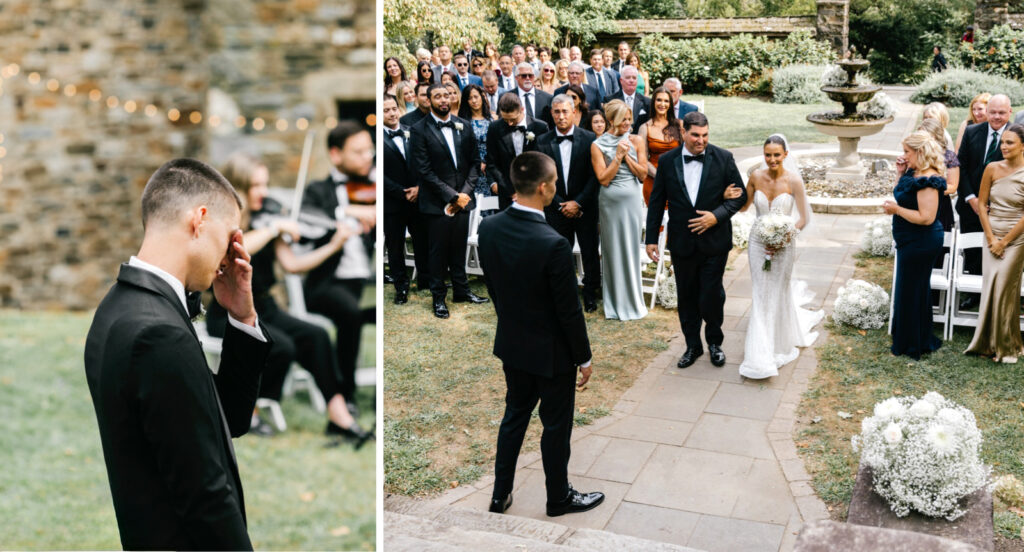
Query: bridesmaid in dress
point(918, 236)
point(661, 134)
point(615, 156)
point(1002, 189)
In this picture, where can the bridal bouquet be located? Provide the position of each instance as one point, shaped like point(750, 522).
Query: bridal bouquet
point(923, 454)
point(774, 230)
point(861, 304)
point(741, 230)
point(667, 296)
point(877, 237)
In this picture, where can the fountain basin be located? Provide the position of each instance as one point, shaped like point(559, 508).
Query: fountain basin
point(851, 94)
point(825, 123)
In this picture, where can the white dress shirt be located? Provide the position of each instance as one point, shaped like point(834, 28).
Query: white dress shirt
point(692, 172)
point(449, 137)
point(565, 149)
point(354, 263)
point(519, 138)
point(179, 290)
point(629, 101)
point(398, 140)
point(523, 95)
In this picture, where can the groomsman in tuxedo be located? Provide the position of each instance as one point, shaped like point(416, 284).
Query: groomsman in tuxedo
point(536, 102)
point(444, 53)
point(463, 76)
point(422, 106)
point(692, 179)
point(575, 72)
point(507, 81)
point(165, 420)
point(599, 77)
point(512, 134)
point(979, 147)
point(444, 155)
point(492, 92)
point(638, 103)
point(541, 335)
point(675, 89)
point(401, 208)
point(573, 212)
point(623, 56)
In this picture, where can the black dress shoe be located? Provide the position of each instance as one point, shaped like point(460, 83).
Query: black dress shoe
point(717, 355)
point(689, 357)
point(401, 297)
point(353, 434)
point(499, 506)
point(589, 304)
point(470, 298)
point(574, 503)
point(388, 279)
point(440, 309)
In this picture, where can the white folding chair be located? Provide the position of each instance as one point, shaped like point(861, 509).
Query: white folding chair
point(483, 203)
point(963, 282)
point(660, 270)
point(941, 281)
point(298, 377)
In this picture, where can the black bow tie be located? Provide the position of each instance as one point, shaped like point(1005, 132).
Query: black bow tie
point(697, 158)
point(442, 124)
point(561, 139)
point(194, 303)
point(394, 134)
point(520, 129)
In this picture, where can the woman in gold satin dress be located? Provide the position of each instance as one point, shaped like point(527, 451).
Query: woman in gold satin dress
point(1002, 190)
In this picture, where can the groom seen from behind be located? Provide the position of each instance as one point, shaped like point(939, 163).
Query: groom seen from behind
point(692, 180)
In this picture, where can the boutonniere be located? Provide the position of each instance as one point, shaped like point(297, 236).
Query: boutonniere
point(530, 136)
point(458, 127)
point(406, 134)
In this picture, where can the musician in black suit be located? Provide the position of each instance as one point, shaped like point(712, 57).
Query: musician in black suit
point(638, 103)
point(445, 156)
point(335, 287)
point(512, 134)
point(575, 72)
point(401, 208)
point(536, 102)
point(692, 179)
point(573, 212)
point(979, 147)
point(165, 420)
point(422, 106)
point(541, 335)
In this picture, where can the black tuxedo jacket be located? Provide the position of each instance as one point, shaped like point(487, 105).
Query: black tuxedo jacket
point(617, 66)
point(398, 176)
point(321, 196)
point(166, 421)
point(593, 96)
point(582, 185)
point(440, 180)
point(501, 151)
point(530, 276)
point(411, 118)
point(719, 171)
point(541, 105)
point(972, 161)
point(641, 108)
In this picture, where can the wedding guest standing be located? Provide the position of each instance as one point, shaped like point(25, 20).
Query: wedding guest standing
point(616, 158)
point(579, 102)
point(624, 54)
point(562, 71)
point(463, 77)
point(573, 213)
point(643, 83)
point(604, 80)
point(422, 106)
point(401, 208)
point(662, 133)
point(937, 132)
point(507, 138)
point(548, 82)
point(478, 113)
point(445, 64)
point(491, 55)
point(638, 104)
point(537, 103)
point(425, 72)
point(595, 122)
point(406, 94)
point(918, 236)
point(586, 92)
point(394, 74)
point(1002, 189)
point(541, 335)
point(975, 115)
point(454, 97)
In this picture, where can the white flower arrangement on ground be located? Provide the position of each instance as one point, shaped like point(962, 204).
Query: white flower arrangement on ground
point(774, 230)
point(862, 305)
point(880, 106)
point(834, 75)
point(741, 229)
point(667, 296)
point(923, 454)
point(877, 237)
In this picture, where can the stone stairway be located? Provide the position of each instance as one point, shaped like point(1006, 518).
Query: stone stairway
point(423, 526)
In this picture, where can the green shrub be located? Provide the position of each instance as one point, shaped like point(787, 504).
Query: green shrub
point(999, 51)
point(798, 84)
point(956, 87)
point(737, 65)
point(394, 48)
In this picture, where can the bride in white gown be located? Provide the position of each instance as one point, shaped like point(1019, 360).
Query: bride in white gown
point(778, 324)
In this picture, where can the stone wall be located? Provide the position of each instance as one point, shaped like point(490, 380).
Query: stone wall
point(990, 13)
point(97, 94)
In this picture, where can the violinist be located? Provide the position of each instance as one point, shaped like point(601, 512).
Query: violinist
point(293, 339)
point(335, 287)
point(401, 207)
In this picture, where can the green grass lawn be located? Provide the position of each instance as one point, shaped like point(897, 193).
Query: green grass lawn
point(737, 122)
point(856, 370)
point(54, 492)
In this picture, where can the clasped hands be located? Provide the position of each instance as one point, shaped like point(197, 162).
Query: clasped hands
point(412, 194)
point(460, 202)
point(996, 246)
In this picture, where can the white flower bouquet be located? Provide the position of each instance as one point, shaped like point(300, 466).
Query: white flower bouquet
point(774, 230)
point(879, 106)
point(923, 454)
point(741, 230)
point(667, 296)
point(877, 237)
point(862, 305)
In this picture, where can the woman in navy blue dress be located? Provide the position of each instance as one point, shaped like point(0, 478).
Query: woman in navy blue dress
point(918, 236)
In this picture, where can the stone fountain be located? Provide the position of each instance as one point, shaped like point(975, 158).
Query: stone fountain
point(849, 125)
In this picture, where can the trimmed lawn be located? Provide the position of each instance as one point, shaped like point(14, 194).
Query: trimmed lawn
point(737, 122)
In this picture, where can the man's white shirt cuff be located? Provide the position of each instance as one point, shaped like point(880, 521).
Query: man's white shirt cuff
point(253, 331)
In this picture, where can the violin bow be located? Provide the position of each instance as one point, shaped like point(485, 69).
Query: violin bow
point(300, 183)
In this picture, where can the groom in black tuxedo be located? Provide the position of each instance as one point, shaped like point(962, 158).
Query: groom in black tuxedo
point(541, 334)
point(512, 134)
point(692, 179)
point(165, 420)
point(573, 212)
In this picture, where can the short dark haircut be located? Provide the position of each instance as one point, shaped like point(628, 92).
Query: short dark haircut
point(694, 118)
point(390, 97)
point(426, 85)
point(460, 55)
point(509, 103)
point(596, 52)
point(340, 134)
point(544, 49)
point(529, 169)
point(183, 184)
point(488, 74)
point(435, 86)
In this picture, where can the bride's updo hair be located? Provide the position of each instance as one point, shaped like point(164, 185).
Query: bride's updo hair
point(776, 139)
point(616, 111)
point(1017, 129)
point(929, 152)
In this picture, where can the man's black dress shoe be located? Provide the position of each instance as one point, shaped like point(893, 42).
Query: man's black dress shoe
point(470, 298)
point(971, 302)
point(354, 434)
point(574, 503)
point(498, 506)
point(717, 355)
point(388, 279)
point(440, 308)
point(589, 304)
point(689, 357)
point(401, 296)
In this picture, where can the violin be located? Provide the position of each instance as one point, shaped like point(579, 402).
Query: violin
point(312, 224)
point(362, 191)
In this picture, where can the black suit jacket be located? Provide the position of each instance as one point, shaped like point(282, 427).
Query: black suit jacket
point(321, 197)
point(541, 105)
point(530, 276)
point(641, 107)
point(441, 181)
point(501, 151)
point(411, 118)
point(719, 171)
point(593, 96)
point(972, 162)
point(166, 421)
point(398, 175)
point(582, 185)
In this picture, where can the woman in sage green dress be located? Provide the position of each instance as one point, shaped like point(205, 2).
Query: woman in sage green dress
point(615, 157)
point(1002, 189)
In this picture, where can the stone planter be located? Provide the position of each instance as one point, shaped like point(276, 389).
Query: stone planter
point(975, 527)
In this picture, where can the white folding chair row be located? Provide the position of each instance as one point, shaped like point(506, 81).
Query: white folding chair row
point(942, 281)
point(662, 252)
point(483, 203)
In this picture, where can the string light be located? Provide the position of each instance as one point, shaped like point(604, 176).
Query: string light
point(257, 123)
point(150, 110)
point(1, 138)
point(33, 78)
point(52, 85)
point(70, 90)
point(214, 121)
point(3, 152)
point(173, 114)
point(130, 106)
point(331, 122)
point(282, 125)
point(302, 123)
point(371, 120)
point(240, 121)
point(112, 101)
point(95, 95)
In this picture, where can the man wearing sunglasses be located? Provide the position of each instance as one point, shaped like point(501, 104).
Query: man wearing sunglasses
point(537, 103)
point(465, 78)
